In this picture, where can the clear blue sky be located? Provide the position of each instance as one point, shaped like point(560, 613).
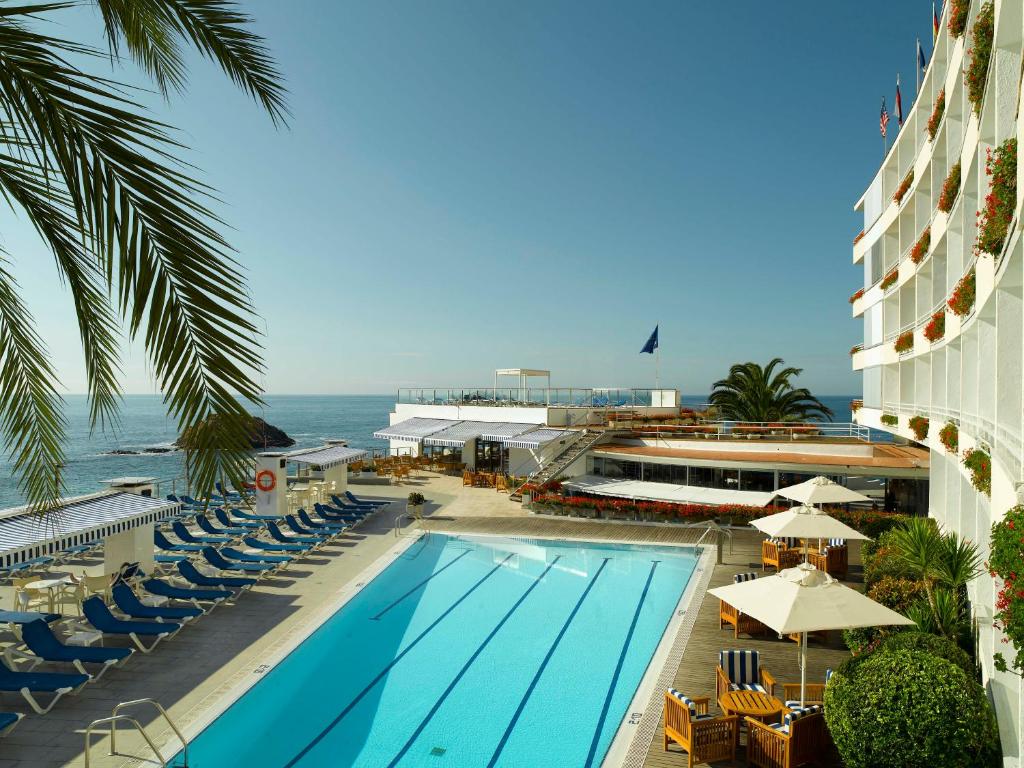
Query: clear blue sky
point(471, 185)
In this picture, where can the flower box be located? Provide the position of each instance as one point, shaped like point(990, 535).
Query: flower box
point(901, 190)
point(890, 279)
point(962, 301)
point(936, 327)
point(980, 54)
point(858, 294)
point(958, 12)
point(855, 349)
point(980, 465)
point(904, 342)
point(919, 426)
point(994, 219)
point(950, 189)
point(1006, 554)
point(859, 237)
point(949, 436)
point(889, 419)
point(937, 112)
point(920, 249)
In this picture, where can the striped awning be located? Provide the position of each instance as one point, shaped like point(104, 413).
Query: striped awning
point(413, 430)
point(459, 433)
point(537, 438)
point(506, 430)
point(24, 536)
point(328, 456)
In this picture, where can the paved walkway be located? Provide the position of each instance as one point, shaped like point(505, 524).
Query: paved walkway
point(191, 672)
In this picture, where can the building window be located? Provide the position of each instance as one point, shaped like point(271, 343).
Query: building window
point(757, 481)
point(713, 477)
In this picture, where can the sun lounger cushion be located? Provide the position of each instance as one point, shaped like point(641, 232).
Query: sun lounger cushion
point(739, 578)
point(99, 615)
point(37, 681)
point(43, 643)
point(690, 705)
point(741, 667)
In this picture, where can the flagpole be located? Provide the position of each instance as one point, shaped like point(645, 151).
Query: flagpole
point(917, 68)
point(657, 360)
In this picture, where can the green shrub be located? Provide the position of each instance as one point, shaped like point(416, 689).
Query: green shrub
point(897, 592)
point(880, 560)
point(933, 645)
point(860, 639)
point(908, 709)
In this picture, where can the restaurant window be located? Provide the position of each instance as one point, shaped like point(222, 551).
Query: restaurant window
point(757, 481)
point(714, 477)
point(491, 456)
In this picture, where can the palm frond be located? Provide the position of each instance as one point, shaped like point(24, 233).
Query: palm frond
point(31, 413)
point(142, 26)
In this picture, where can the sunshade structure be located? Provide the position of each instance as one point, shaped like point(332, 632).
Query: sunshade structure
point(537, 438)
point(413, 430)
point(803, 599)
point(328, 456)
point(25, 535)
point(676, 494)
point(821, 490)
point(805, 522)
point(461, 432)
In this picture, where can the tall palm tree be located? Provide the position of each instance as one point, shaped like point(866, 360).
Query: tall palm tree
point(753, 393)
point(128, 225)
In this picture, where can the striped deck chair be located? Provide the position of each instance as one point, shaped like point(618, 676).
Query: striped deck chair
point(834, 558)
point(742, 670)
point(705, 738)
point(814, 692)
point(779, 554)
point(741, 623)
point(801, 738)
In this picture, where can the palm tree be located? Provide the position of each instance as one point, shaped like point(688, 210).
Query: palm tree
point(753, 393)
point(128, 225)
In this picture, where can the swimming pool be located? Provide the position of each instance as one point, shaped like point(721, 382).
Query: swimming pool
point(464, 651)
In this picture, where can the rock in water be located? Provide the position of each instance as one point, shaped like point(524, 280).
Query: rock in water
point(261, 436)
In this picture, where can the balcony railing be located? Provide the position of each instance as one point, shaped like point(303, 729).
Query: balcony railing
point(579, 397)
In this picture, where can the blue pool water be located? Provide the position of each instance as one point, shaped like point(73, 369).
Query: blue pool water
point(465, 651)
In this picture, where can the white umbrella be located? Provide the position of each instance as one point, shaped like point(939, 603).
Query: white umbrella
point(821, 490)
point(806, 523)
point(803, 599)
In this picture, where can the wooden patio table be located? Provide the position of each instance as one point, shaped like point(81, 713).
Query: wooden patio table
point(755, 704)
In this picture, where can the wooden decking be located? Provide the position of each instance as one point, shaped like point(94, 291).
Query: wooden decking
point(696, 673)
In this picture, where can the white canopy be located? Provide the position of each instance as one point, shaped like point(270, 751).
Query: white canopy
point(821, 490)
point(803, 599)
point(677, 494)
point(805, 523)
point(456, 435)
point(536, 438)
point(327, 456)
point(413, 430)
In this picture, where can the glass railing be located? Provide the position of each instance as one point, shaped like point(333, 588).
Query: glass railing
point(580, 397)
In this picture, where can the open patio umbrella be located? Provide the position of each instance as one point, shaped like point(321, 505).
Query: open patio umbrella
point(803, 599)
point(805, 523)
point(821, 490)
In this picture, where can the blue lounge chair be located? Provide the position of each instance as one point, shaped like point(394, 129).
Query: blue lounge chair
point(128, 602)
point(190, 501)
point(7, 722)
point(40, 640)
point(78, 549)
point(30, 683)
point(99, 615)
point(218, 561)
point(277, 535)
point(295, 527)
point(206, 526)
point(309, 522)
point(169, 559)
point(25, 617)
point(370, 502)
point(27, 565)
point(268, 546)
point(343, 506)
point(211, 597)
point(223, 519)
point(332, 515)
point(245, 557)
point(192, 574)
point(241, 514)
point(188, 537)
point(161, 541)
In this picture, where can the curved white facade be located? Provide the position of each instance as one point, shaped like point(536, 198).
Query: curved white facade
point(972, 376)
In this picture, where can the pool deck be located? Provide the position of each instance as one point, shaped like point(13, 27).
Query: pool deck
point(192, 672)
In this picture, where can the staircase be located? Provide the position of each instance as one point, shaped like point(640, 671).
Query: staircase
point(582, 442)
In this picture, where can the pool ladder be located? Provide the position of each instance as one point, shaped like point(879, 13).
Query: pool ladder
point(116, 717)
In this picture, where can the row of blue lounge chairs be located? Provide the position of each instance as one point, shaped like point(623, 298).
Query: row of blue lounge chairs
point(165, 607)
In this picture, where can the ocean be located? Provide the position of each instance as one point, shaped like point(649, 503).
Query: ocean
point(308, 419)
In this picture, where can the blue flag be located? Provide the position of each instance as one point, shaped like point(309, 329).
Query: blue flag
point(652, 343)
point(921, 61)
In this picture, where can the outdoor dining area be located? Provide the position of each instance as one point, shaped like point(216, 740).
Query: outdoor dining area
point(778, 719)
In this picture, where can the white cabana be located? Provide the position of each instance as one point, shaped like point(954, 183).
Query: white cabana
point(459, 433)
point(413, 430)
point(677, 494)
point(802, 600)
point(821, 490)
point(537, 438)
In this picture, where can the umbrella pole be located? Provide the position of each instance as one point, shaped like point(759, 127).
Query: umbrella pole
point(803, 668)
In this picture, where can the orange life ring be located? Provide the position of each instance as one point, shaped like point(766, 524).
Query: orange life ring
point(266, 481)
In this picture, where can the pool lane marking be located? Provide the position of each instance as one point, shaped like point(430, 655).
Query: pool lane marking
point(618, 667)
point(543, 665)
point(465, 667)
point(383, 673)
point(438, 572)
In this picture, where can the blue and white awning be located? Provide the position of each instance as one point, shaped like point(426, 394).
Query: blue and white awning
point(328, 456)
point(500, 432)
point(537, 438)
point(25, 535)
point(413, 430)
point(459, 433)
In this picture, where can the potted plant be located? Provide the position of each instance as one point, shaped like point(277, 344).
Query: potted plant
point(979, 464)
point(976, 74)
point(995, 217)
point(949, 436)
point(890, 278)
point(962, 300)
point(919, 426)
point(937, 112)
point(958, 17)
point(414, 504)
point(904, 342)
point(920, 249)
point(936, 327)
point(904, 186)
point(950, 189)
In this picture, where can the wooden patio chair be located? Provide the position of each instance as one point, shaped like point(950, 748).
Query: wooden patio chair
point(741, 622)
point(501, 484)
point(814, 693)
point(704, 737)
point(468, 478)
point(778, 555)
point(801, 738)
point(742, 670)
point(834, 558)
